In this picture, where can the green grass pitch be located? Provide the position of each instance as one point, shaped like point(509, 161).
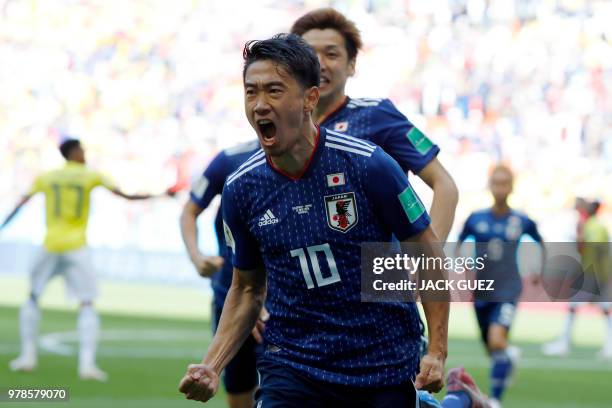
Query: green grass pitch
point(146, 355)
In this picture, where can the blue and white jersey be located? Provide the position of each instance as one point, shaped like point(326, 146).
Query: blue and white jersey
point(379, 121)
point(205, 189)
point(498, 237)
point(307, 232)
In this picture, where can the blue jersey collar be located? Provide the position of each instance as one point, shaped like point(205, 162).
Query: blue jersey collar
point(320, 140)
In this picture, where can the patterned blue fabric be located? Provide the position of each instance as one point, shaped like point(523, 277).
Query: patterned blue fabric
point(207, 187)
point(379, 121)
point(307, 234)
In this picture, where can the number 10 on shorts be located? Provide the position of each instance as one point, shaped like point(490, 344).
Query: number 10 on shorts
point(316, 269)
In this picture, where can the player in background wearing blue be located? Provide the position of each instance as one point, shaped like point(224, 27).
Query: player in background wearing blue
point(501, 228)
point(337, 41)
point(373, 119)
point(67, 193)
point(295, 215)
point(240, 375)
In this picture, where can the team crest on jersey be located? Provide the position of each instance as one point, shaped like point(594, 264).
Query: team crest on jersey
point(341, 126)
point(341, 211)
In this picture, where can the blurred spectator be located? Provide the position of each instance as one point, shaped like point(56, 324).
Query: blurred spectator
point(154, 90)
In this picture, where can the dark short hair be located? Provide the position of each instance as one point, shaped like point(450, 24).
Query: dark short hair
point(329, 18)
point(288, 51)
point(593, 207)
point(67, 146)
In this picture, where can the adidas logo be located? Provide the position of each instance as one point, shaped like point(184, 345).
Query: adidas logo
point(267, 219)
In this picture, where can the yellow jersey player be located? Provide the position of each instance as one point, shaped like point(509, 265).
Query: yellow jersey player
point(594, 244)
point(67, 195)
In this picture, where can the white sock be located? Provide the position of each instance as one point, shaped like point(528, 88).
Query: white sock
point(566, 334)
point(88, 325)
point(29, 317)
point(608, 317)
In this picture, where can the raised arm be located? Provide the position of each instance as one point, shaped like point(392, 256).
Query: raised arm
point(13, 213)
point(134, 196)
point(240, 312)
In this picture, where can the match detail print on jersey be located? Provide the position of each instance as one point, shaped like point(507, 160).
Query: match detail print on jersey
point(411, 204)
point(341, 211)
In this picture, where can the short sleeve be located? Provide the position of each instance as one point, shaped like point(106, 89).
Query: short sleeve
point(401, 139)
point(246, 254)
point(210, 183)
point(467, 230)
point(531, 229)
point(393, 198)
point(104, 181)
point(37, 186)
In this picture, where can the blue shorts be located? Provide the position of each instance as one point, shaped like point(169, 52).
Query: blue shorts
point(489, 313)
point(285, 387)
point(240, 375)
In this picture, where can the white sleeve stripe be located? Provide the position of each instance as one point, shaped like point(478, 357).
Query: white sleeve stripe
point(259, 154)
point(354, 139)
point(359, 145)
point(235, 176)
point(348, 149)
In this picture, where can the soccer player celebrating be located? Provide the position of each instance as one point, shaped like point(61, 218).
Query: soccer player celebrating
point(295, 215)
point(240, 375)
point(501, 228)
point(67, 194)
point(337, 41)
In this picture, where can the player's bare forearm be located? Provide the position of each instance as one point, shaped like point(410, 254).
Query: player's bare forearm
point(445, 197)
point(436, 305)
point(13, 213)
point(436, 314)
point(189, 228)
point(240, 312)
point(442, 210)
point(132, 196)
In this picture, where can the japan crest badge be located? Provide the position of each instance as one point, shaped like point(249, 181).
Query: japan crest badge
point(341, 211)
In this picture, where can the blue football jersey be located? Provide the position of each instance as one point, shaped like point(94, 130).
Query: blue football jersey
point(207, 187)
point(307, 232)
point(379, 121)
point(498, 237)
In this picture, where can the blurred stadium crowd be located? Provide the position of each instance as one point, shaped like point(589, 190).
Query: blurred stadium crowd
point(153, 88)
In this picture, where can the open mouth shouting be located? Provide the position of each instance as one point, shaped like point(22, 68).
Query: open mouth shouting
point(267, 129)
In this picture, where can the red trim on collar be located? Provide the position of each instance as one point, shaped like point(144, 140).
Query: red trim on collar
point(306, 166)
